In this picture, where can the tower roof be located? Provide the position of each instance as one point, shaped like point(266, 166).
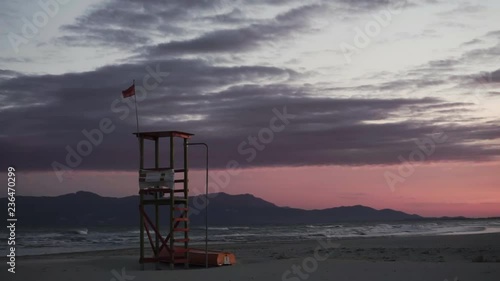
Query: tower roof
point(163, 134)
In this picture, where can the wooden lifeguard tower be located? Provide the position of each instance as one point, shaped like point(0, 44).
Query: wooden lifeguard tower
point(169, 186)
point(158, 186)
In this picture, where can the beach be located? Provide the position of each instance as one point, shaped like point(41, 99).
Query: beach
point(443, 257)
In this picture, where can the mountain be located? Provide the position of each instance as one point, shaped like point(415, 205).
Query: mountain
point(89, 209)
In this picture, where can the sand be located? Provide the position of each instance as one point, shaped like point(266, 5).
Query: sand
point(464, 257)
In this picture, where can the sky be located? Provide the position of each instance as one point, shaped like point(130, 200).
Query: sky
point(308, 104)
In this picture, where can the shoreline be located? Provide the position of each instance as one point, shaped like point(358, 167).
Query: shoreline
point(467, 257)
point(480, 240)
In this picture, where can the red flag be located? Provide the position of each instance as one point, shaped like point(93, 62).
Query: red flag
point(130, 91)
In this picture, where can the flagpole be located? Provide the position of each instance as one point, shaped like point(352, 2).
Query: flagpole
point(136, 112)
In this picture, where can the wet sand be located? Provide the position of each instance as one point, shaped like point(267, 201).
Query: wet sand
point(461, 257)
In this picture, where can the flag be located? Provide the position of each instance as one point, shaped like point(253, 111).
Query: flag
point(130, 91)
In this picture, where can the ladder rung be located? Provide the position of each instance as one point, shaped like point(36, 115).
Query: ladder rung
point(181, 180)
point(181, 229)
point(182, 240)
point(151, 190)
point(178, 190)
point(177, 200)
point(180, 219)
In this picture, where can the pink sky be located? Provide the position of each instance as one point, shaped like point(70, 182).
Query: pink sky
point(445, 189)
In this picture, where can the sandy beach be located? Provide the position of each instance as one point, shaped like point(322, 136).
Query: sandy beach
point(459, 257)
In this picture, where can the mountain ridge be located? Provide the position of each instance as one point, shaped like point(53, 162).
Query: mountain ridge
point(87, 208)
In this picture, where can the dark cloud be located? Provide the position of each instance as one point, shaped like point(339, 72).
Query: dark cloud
point(132, 22)
point(481, 79)
point(494, 77)
point(137, 22)
point(369, 5)
point(223, 106)
point(185, 26)
point(482, 55)
point(473, 42)
point(242, 39)
point(494, 34)
point(6, 74)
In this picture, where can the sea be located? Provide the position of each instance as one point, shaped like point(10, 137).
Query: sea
point(40, 241)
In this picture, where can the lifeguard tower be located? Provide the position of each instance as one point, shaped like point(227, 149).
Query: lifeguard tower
point(169, 186)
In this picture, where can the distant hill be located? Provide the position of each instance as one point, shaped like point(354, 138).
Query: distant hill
point(89, 209)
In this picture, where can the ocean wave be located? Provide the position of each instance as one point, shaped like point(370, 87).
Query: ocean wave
point(79, 231)
point(316, 235)
point(47, 235)
point(235, 235)
point(218, 228)
point(240, 228)
point(324, 226)
point(50, 240)
point(83, 231)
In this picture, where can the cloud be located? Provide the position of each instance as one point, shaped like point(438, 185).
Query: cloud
point(204, 26)
point(473, 42)
point(480, 55)
point(224, 102)
point(242, 39)
point(367, 5)
point(137, 23)
point(105, 36)
point(464, 9)
point(494, 34)
point(223, 106)
point(7, 74)
point(494, 77)
point(125, 23)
